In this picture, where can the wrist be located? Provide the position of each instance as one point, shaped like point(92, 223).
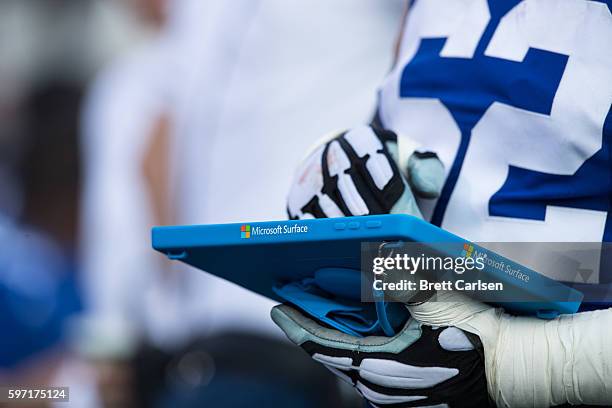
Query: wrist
point(549, 363)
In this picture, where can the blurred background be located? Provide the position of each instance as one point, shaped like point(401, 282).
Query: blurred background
point(117, 115)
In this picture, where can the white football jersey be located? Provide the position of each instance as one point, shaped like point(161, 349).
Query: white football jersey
point(515, 98)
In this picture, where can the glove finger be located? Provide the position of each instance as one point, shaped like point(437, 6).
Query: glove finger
point(456, 309)
point(385, 399)
point(301, 329)
point(425, 174)
point(376, 177)
point(364, 142)
point(447, 308)
point(394, 374)
point(407, 204)
point(386, 176)
point(454, 339)
point(306, 199)
point(338, 164)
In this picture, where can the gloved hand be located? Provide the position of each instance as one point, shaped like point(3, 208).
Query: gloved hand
point(532, 362)
point(438, 357)
point(422, 366)
point(372, 171)
point(528, 362)
point(364, 171)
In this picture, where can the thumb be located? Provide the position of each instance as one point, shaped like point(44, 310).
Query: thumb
point(425, 174)
point(448, 308)
point(457, 310)
point(423, 169)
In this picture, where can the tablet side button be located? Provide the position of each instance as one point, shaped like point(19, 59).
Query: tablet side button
point(177, 255)
point(339, 226)
point(373, 224)
point(353, 225)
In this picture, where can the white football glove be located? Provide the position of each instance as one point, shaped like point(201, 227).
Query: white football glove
point(364, 171)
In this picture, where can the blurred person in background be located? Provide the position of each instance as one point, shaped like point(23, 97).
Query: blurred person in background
point(134, 314)
point(38, 289)
point(48, 50)
point(41, 86)
point(193, 128)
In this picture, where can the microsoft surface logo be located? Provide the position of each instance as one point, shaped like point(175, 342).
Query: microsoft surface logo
point(245, 231)
point(468, 250)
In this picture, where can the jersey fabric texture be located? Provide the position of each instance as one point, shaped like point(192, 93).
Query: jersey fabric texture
point(515, 97)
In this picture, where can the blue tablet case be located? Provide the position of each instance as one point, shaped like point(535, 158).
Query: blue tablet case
point(262, 256)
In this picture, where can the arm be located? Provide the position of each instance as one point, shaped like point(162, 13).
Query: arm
point(527, 361)
point(116, 211)
point(533, 362)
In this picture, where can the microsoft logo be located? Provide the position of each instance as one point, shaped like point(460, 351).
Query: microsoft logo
point(468, 250)
point(245, 231)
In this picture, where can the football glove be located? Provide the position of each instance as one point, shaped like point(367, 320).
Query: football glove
point(532, 362)
point(364, 171)
point(421, 366)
